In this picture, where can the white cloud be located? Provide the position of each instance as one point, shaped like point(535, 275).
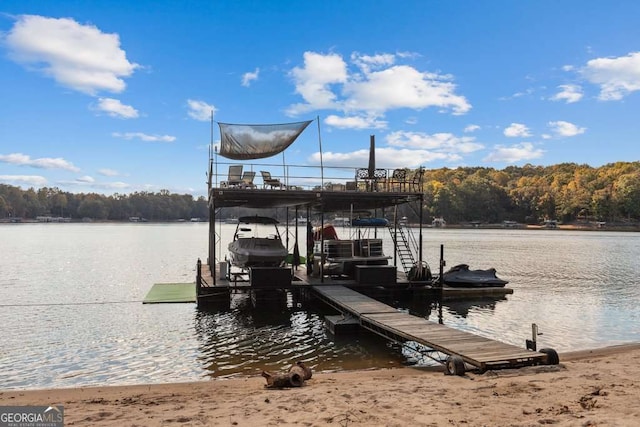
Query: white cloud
point(402, 86)
point(313, 81)
point(117, 185)
point(517, 130)
point(34, 180)
point(617, 77)
point(471, 128)
point(144, 137)
point(20, 159)
point(88, 179)
point(115, 108)
point(374, 87)
point(562, 128)
point(439, 142)
point(89, 182)
point(568, 93)
point(355, 122)
point(406, 149)
point(77, 56)
point(200, 110)
point(108, 172)
point(368, 62)
point(386, 157)
point(247, 78)
point(514, 153)
point(527, 92)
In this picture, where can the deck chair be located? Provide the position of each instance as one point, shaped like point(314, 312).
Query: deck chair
point(247, 179)
point(235, 176)
point(416, 181)
point(399, 180)
point(271, 182)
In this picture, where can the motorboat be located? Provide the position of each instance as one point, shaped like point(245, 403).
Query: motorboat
point(252, 246)
point(460, 276)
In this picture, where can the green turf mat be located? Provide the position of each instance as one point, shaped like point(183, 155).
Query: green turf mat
point(171, 292)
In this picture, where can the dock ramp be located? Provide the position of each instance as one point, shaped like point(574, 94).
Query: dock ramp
point(461, 347)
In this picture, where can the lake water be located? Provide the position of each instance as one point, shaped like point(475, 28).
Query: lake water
point(71, 311)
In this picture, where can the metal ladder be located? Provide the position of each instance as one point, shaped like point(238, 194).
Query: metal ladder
point(405, 243)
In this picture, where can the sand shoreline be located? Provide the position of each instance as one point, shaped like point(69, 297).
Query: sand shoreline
point(588, 388)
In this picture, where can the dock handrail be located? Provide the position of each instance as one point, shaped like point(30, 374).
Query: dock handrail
point(326, 178)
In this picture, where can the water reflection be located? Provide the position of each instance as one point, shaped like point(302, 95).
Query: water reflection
point(256, 334)
point(462, 308)
point(273, 330)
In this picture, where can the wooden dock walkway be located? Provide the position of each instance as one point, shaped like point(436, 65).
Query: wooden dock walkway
point(480, 352)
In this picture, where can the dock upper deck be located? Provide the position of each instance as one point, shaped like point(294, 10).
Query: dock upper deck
point(320, 200)
point(326, 188)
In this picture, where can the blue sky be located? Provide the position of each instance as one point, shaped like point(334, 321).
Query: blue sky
point(108, 96)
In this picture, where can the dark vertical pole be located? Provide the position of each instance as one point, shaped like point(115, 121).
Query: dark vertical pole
point(420, 232)
point(322, 245)
point(320, 147)
point(198, 278)
point(395, 236)
point(286, 227)
point(310, 244)
point(442, 264)
point(372, 161)
point(212, 238)
point(375, 229)
point(295, 244)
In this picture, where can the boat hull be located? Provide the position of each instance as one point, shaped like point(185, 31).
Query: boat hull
point(256, 252)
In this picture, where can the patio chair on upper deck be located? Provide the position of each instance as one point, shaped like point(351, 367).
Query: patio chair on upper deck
point(247, 179)
point(235, 176)
point(399, 180)
point(417, 180)
point(271, 182)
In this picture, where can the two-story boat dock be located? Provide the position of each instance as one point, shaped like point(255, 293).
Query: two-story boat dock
point(335, 268)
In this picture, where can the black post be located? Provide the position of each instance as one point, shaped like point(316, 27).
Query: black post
point(198, 276)
point(420, 230)
point(212, 238)
point(310, 244)
point(442, 264)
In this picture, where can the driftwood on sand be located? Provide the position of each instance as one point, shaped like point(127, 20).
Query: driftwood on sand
point(295, 377)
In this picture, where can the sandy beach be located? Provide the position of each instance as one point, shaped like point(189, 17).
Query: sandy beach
point(588, 388)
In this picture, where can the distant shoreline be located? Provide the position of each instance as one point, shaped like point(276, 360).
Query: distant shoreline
point(576, 226)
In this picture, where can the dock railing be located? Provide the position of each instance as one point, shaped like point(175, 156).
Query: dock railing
point(314, 178)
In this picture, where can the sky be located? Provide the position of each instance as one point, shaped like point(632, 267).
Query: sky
point(117, 96)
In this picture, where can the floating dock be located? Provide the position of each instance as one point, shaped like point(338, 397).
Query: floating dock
point(225, 282)
point(480, 352)
point(336, 268)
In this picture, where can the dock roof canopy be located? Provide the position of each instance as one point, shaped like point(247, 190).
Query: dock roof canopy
point(247, 142)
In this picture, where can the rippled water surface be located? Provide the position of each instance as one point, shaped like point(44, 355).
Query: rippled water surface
point(71, 311)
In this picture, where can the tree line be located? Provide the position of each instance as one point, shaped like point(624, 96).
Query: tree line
point(160, 206)
point(566, 192)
